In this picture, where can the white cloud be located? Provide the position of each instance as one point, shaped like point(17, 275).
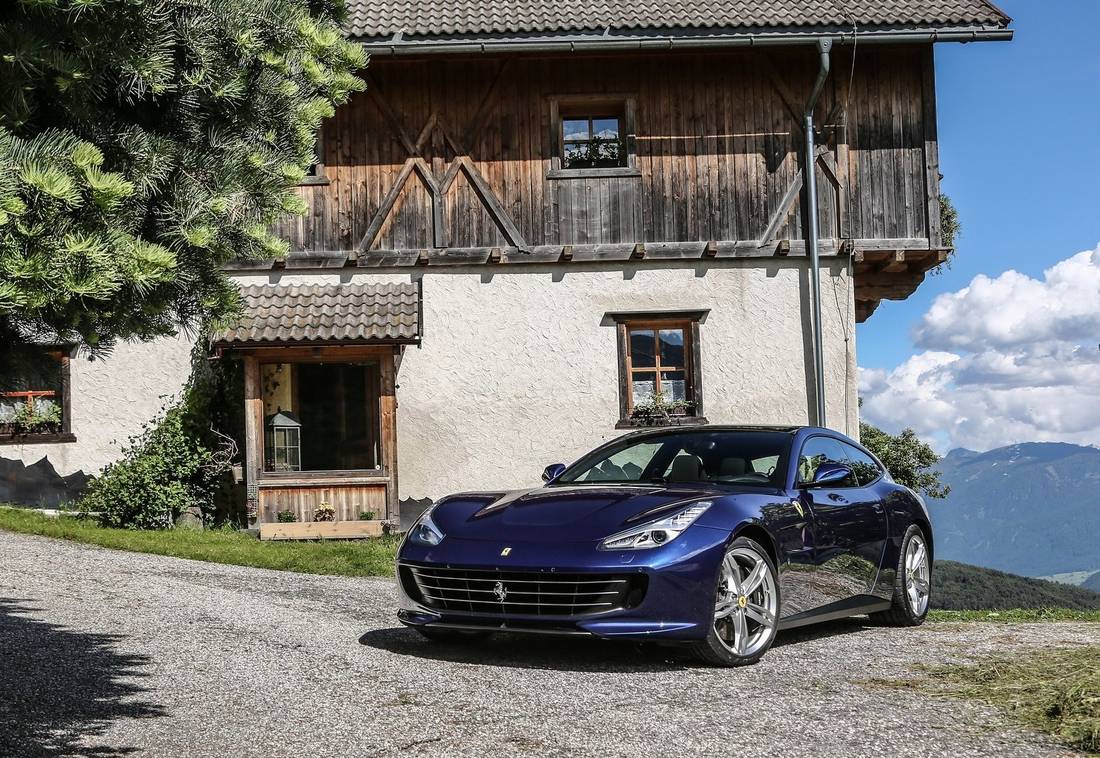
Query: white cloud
point(1007, 359)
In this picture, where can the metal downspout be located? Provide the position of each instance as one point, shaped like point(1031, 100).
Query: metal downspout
point(809, 165)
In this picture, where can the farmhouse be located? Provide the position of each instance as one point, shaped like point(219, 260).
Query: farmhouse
point(544, 223)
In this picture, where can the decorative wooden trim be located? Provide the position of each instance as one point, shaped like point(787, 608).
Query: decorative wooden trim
point(438, 186)
point(384, 209)
point(273, 480)
point(491, 202)
point(790, 197)
point(593, 173)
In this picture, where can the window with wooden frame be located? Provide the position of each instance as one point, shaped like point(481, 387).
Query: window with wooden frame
point(34, 399)
point(659, 368)
point(592, 136)
point(321, 416)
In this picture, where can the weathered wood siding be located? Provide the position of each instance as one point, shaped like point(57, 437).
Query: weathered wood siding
point(718, 142)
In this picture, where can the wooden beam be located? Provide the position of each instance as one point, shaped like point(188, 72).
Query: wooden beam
point(790, 197)
point(931, 150)
point(387, 204)
point(790, 102)
point(470, 131)
point(374, 91)
point(388, 413)
point(503, 221)
point(253, 433)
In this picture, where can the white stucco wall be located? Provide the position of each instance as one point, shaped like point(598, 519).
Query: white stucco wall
point(110, 399)
point(518, 365)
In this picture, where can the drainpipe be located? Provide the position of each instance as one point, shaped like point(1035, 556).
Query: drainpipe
point(824, 47)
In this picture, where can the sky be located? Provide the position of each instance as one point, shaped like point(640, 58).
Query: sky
point(1004, 346)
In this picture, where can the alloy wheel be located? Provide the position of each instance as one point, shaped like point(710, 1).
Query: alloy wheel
point(745, 609)
point(917, 574)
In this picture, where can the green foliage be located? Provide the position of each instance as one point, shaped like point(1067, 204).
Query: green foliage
point(950, 231)
point(286, 517)
point(145, 143)
point(909, 460)
point(958, 586)
point(370, 557)
point(36, 416)
point(1055, 691)
point(164, 471)
point(658, 409)
point(950, 226)
point(366, 515)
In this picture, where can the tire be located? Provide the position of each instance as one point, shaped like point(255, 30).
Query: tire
point(749, 626)
point(452, 636)
point(912, 590)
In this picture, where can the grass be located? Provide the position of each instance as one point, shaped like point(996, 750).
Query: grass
point(1015, 616)
point(1054, 691)
point(372, 557)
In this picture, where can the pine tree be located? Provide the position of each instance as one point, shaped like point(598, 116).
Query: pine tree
point(145, 143)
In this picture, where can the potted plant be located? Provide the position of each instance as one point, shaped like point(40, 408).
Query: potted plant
point(661, 411)
point(286, 517)
point(324, 512)
point(366, 515)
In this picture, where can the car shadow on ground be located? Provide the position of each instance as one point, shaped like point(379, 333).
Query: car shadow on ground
point(59, 686)
point(573, 653)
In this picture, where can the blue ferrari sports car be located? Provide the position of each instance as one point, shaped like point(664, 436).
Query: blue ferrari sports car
point(713, 537)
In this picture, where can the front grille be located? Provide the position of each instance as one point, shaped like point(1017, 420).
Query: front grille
point(522, 593)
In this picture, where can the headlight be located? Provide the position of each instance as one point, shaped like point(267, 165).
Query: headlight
point(424, 531)
point(656, 533)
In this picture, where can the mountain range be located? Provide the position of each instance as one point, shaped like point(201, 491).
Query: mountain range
point(1031, 509)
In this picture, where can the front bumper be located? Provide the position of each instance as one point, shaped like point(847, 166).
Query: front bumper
point(678, 602)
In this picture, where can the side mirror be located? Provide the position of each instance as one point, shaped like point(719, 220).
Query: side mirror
point(552, 472)
point(830, 473)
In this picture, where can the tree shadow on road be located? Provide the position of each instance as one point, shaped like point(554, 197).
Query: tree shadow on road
point(59, 687)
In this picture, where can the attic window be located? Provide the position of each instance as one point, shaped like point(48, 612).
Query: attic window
point(592, 140)
point(593, 136)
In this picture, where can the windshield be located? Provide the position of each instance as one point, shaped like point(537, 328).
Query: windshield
point(724, 457)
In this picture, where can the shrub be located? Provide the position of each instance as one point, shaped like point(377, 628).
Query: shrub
point(366, 515)
point(286, 517)
point(165, 471)
point(324, 512)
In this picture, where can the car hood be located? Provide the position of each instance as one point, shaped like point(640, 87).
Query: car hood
point(560, 513)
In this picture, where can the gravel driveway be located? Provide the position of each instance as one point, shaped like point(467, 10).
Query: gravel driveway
point(108, 653)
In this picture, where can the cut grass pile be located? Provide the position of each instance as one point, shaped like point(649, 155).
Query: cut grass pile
point(1054, 691)
point(1015, 616)
point(371, 557)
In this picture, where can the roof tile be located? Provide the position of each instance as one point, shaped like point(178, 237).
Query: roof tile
point(385, 18)
point(325, 312)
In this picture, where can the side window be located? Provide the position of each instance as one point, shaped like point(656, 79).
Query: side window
point(817, 451)
point(863, 465)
